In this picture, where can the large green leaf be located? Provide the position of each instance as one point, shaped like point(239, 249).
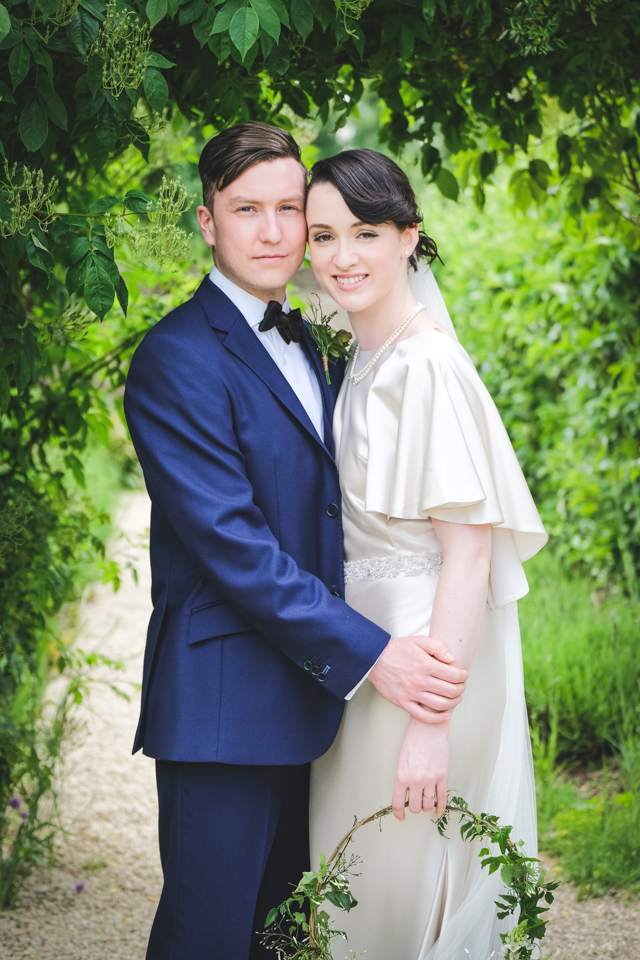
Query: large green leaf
point(447, 184)
point(202, 27)
point(105, 203)
point(76, 274)
point(244, 30)
point(38, 255)
point(34, 126)
point(158, 61)
point(156, 10)
point(54, 107)
point(83, 30)
point(226, 15)
point(268, 19)
point(19, 63)
point(156, 89)
point(123, 295)
point(5, 22)
point(302, 17)
point(78, 249)
point(98, 288)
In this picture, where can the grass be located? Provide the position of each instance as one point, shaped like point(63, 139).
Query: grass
point(582, 679)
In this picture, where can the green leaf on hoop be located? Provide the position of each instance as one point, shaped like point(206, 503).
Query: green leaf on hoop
point(244, 30)
point(34, 126)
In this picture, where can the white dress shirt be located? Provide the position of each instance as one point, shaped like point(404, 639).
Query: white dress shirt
point(290, 359)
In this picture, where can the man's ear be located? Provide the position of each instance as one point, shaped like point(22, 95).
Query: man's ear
point(205, 219)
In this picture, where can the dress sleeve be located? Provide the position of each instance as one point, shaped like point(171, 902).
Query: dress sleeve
point(453, 457)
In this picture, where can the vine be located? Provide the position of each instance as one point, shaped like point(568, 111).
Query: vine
point(299, 929)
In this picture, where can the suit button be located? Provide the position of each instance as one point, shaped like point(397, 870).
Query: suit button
point(322, 677)
point(334, 593)
point(308, 666)
point(333, 510)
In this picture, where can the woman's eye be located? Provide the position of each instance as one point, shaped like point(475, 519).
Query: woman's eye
point(367, 234)
point(322, 237)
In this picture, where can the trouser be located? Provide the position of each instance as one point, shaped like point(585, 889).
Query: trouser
point(234, 841)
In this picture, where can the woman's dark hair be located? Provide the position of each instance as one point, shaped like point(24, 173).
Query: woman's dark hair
point(227, 156)
point(376, 190)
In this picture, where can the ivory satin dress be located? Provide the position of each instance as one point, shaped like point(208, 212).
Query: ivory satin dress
point(420, 437)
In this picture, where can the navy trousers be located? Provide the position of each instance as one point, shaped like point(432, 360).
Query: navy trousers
point(234, 840)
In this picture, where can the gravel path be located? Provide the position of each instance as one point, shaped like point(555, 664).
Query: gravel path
point(109, 807)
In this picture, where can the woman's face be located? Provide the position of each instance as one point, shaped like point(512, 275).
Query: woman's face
point(358, 264)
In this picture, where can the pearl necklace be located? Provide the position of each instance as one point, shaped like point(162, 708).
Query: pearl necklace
point(368, 367)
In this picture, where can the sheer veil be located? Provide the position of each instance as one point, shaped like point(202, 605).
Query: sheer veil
point(426, 291)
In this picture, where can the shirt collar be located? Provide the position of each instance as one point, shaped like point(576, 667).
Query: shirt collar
point(249, 306)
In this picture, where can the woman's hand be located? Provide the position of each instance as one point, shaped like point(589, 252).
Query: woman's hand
point(423, 769)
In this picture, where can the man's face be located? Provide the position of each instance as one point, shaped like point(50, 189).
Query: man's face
point(258, 227)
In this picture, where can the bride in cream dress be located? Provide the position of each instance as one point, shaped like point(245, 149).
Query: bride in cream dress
point(437, 521)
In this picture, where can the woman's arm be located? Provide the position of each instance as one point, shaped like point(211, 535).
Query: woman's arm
point(456, 620)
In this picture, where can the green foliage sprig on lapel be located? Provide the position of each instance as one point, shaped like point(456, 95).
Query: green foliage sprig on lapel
point(331, 343)
point(299, 929)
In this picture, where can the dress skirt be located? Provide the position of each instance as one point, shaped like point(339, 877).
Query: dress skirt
point(421, 896)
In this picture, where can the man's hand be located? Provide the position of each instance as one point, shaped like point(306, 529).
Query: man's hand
point(416, 673)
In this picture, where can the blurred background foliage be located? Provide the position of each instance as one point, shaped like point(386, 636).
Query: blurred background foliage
point(519, 124)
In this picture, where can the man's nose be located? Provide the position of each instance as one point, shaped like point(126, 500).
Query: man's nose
point(270, 228)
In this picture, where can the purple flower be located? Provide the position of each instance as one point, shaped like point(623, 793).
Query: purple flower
point(79, 886)
point(24, 814)
point(15, 802)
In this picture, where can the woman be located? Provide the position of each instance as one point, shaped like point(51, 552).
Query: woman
point(437, 519)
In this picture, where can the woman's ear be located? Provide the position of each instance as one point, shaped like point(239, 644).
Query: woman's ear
point(410, 239)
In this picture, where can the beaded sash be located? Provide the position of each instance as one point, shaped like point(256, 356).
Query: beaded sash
point(402, 565)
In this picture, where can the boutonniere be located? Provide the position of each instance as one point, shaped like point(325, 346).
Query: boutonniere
point(331, 343)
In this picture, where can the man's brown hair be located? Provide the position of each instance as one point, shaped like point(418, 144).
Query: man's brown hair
point(227, 155)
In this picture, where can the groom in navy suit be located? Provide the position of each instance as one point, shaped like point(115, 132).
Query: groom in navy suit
point(251, 650)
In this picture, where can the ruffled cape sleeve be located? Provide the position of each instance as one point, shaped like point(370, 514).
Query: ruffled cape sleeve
point(454, 460)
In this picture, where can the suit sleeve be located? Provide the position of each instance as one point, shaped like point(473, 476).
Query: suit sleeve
point(195, 472)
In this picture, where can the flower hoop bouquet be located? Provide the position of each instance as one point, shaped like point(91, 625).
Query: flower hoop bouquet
point(299, 929)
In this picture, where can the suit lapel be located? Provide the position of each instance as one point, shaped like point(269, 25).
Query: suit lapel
point(243, 343)
point(328, 394)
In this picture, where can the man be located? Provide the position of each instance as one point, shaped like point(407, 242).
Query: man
point(251, 650)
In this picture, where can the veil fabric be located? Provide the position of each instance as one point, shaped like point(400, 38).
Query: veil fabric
point(426, 291)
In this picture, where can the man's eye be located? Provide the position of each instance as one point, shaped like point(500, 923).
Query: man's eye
point(246, 209)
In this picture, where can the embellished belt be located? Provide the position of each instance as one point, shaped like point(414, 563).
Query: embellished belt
point(402, 565)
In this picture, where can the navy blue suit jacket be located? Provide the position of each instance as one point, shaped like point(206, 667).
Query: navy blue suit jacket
point(251, 648)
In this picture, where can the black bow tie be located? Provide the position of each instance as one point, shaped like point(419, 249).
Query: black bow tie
point(289, 325)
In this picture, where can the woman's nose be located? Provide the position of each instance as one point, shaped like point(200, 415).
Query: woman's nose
point(345, 257)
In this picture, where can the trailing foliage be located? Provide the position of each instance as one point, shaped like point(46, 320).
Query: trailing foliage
point(299, 929)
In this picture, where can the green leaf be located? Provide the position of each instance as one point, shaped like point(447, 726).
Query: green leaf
point(191, 12)
point(105, 203)
point(302, 17)
point(267, 17)
point(137, 201)
point(98, 288)
point(5, 392)
point(19, 63)
point(156, 10)
point(22, 375)
point(78, 249)
point(83, 30)
point(5, 94)
point(156, 89)
point(428, 10)
point(225, 16)
point(244, 30)
point(54, 107)
point(76, 274)
point(279, 58)
point(487, 163)
point(202, 28)
point(159, 62)
point(281, 11)
point(123, 295)
point(34, 126)
point(5, 23)
point(108, 129)
point(447, 184)
point(271, 916)
point(95, 69)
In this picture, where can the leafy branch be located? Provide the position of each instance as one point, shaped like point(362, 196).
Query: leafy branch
point(331, 343)
point(299, 929)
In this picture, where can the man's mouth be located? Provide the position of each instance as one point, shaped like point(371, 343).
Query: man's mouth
point(350, 281)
